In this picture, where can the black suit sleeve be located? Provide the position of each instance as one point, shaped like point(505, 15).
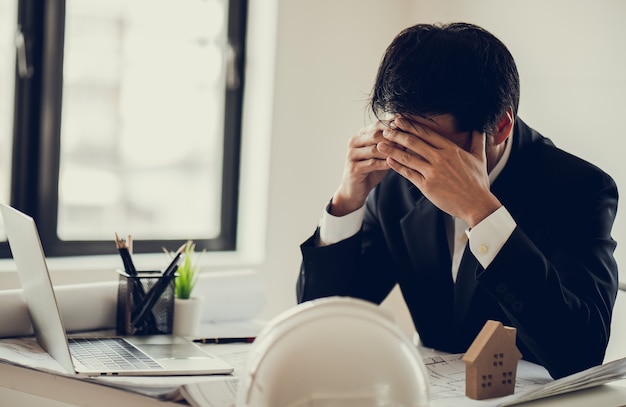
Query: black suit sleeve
point(560, 296)
point(340, 270)
point(359, 267)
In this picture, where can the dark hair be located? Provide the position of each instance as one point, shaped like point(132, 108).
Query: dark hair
point(458, 69)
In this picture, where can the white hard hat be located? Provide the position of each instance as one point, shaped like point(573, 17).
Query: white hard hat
point(330, 352)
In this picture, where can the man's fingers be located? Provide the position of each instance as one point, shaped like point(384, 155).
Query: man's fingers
point(363, 146)
point(421, 131)
point(410, 143)
point(373, 165)
point(367, 136)
point(365, 153)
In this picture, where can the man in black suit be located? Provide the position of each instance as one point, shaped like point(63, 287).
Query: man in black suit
point(474, 214)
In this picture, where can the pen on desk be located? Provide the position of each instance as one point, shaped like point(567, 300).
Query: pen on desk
point(225, 340)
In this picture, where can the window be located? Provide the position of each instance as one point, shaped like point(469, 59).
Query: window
point(8, 28)
point(138, 126)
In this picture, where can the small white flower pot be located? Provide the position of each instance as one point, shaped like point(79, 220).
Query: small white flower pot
point(187, 316)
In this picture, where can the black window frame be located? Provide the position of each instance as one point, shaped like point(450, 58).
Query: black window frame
point(37, 132)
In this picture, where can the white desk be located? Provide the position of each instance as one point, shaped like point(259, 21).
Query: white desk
point(26, 387)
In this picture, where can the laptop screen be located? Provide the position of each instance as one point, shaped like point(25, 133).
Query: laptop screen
point(38, 292)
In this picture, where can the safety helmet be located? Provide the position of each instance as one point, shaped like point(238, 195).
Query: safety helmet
point(335, 351)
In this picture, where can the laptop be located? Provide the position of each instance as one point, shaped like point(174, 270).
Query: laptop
point(157, 355)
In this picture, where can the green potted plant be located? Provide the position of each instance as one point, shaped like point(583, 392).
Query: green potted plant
point(187, 307)
point(187, 273)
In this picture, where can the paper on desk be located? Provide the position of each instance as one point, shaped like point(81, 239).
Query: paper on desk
point(446, 375)
point(591, 377)
point(233, 295)
point(211, 394)
point(219, 392)
point(27, 352)
point(447, 384)
point(447, 379)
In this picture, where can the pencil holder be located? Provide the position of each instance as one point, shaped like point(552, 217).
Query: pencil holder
point(145, 303)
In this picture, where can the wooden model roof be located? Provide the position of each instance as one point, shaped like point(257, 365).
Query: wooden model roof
point(492, 334)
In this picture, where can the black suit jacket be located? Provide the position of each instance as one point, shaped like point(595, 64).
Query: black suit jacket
point(555, 279)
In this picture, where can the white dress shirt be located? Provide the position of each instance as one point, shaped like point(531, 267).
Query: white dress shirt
point(485, 239)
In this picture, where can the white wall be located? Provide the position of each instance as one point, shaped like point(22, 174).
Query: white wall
point(327, 52)
point(570, 55)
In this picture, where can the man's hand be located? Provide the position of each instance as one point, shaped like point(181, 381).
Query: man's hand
point(453, 178)
point(365, 167)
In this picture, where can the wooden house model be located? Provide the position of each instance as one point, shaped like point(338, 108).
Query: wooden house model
point(491, 362)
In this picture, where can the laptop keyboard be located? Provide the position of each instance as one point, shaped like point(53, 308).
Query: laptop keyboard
point(110, 354)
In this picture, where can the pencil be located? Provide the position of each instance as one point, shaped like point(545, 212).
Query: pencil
point(157, 290)
point(137, 290)
point(122, 248)
point(169, 269)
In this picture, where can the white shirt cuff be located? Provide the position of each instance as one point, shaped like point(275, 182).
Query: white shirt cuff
point(487, 238)
point(334, 229)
